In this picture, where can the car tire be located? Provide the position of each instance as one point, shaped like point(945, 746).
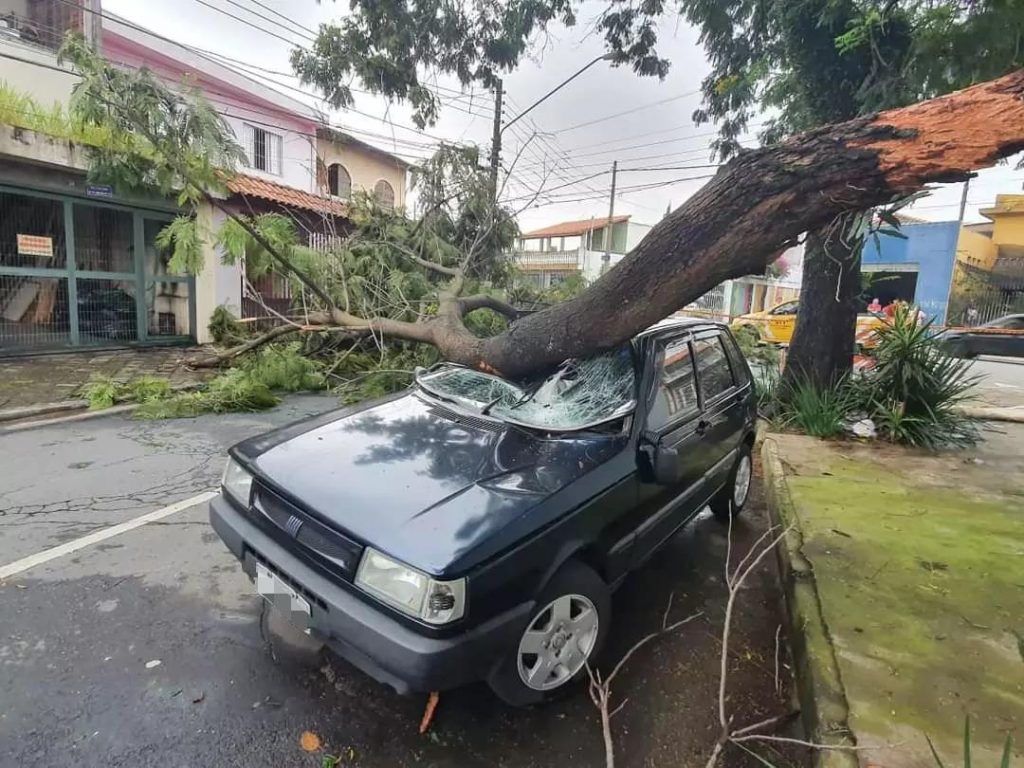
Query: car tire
point(729, 501)
point(575, 587)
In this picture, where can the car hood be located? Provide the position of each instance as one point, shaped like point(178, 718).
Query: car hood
point(425, 484)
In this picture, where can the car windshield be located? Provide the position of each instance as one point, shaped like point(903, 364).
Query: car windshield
point(580, 394)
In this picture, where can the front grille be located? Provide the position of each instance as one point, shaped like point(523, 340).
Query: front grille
point(304, 535)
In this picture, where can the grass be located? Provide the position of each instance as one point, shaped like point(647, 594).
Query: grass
point(918, 567)
point(22, 111)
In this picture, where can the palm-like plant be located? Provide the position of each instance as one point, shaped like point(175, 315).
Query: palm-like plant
point(916, 387)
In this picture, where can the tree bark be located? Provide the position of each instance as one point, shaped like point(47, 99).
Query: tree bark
point(755, 206)
point(821, 352)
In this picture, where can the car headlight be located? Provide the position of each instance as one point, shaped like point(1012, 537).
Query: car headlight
point(409, 590)
point(237, 482)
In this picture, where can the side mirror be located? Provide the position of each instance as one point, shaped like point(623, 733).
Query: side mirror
point(664, 463)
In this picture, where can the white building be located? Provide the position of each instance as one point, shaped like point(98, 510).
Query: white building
point(548, 255)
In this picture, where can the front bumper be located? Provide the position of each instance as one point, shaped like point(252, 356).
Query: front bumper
point(372, 640)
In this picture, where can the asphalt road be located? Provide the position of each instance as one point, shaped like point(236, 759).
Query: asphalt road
point(1002, 380)
point(150, 647)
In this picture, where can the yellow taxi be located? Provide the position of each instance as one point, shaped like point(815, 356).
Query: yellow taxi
point(776, 325)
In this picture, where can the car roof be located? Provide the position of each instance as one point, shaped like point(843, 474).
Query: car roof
point(678, 322)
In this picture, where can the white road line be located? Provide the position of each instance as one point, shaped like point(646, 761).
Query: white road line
point(96, 536)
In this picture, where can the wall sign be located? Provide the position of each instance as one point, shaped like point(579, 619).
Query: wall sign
point(99, 190)
point(35, 245)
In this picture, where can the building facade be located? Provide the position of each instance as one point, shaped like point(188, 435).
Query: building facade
point(989, 280)
point(78, 262)
point(916, 268)
point(548, 255)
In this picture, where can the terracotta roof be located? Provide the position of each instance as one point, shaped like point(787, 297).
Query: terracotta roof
point(573, 228)
point(251, 186)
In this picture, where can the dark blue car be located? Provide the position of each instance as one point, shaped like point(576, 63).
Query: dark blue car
point(475, 529)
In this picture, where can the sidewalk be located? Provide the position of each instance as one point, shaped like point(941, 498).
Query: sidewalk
point(916, 569)
point(28, 381)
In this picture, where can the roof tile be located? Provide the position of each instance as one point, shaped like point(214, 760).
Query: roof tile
point(573, 228)
point(251, 186)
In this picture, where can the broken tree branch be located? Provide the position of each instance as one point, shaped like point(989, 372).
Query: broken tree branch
point(600, 689)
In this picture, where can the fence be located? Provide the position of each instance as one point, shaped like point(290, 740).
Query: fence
point(978, 295)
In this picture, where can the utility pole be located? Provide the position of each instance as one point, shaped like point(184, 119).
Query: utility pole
point(608, 230)
point(496, 140)
point(963, 201)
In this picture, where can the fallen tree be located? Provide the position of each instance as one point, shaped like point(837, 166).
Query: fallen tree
point(756, 205)
point(760, 202)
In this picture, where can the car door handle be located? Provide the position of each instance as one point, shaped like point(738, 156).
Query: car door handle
point(702, 426)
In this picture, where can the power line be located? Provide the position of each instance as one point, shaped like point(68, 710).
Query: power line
point(626, 111)
point(282, 16)
point(244, 21)
point(213, 57)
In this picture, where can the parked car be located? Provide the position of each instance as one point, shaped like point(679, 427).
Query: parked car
point(474, 529)
point(776, 325)
point(1003, 336)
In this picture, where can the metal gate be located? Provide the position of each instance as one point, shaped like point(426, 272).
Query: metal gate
point(75, 272)
point(979, 295)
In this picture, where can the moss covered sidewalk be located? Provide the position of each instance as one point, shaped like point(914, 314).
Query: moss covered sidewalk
point(918, 562)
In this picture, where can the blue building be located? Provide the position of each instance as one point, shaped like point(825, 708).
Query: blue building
point(917, 269)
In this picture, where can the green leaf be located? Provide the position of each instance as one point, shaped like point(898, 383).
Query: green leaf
point(1005, 761)
point(967, 742)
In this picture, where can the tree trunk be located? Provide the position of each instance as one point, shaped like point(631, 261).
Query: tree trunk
point(822, 349)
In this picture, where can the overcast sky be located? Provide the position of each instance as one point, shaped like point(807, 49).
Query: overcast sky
point(606, 114)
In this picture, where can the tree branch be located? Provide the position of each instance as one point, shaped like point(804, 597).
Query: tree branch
point(468, 304)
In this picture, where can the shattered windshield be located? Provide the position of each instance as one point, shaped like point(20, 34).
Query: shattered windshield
point(578, 395)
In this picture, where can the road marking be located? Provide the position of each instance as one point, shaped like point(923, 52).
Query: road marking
point(96, 536)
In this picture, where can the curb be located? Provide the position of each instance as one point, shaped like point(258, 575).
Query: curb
point(6, 429)
point(823, 705)
point(41, 409)
point(1013, 414)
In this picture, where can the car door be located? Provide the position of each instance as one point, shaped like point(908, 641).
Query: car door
point(722, 405)
point(673, 420)
point(1010, 343)
point(782, 322)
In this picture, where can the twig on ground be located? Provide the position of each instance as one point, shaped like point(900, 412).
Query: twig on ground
point(778, 684)
point(600, 689)
point(734, 581)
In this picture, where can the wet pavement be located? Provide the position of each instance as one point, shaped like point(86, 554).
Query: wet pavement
point(151, 647)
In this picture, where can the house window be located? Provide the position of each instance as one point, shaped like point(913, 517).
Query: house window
point(263, 149)
point(339, 183)
point(384, 194)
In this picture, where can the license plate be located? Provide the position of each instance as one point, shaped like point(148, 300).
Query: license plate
point(279, 594)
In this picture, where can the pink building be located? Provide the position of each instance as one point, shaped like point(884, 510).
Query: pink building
point(78, 263)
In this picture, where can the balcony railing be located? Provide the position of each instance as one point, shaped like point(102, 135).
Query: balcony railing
point(546, 260)
point(42, 24)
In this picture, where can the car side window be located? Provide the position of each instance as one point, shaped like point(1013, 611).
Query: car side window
point(739, 370)
point(789, 308)
point(713, 369)
point(675, 388)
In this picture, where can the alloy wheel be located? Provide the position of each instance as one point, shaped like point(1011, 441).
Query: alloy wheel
point(741, 486)
point(558, 642)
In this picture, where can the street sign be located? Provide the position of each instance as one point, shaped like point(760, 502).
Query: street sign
point(99, 190)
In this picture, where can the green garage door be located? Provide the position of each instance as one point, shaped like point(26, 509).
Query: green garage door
point(76, 273)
